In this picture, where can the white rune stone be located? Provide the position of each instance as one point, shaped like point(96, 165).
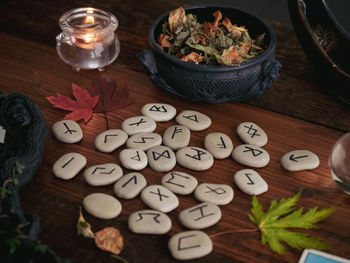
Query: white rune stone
point(129, 185)
point(103, 174)
point(69, 165)
point(250, 182)
point(194, 158)
point(190, 245)
point(299, 160)
point(251, 155)
point(149, 222)
point(200, 216)
point(102, 206)
point(138, 124)
point(133, 159)
point(110, 140)
point(193, 120)
point(179, 182)
point(159, 111)
point(161, 158)
point(159, 198)
point(251, 133)
point(67, 131)
point(144, 141)
point(220, 194)
point(176, 137)
point(218, 144)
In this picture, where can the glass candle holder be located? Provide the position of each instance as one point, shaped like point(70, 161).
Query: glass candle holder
point(88, 39)
point(339, 162)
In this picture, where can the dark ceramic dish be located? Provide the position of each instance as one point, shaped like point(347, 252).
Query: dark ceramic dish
point(213, 84)
point(326, 44)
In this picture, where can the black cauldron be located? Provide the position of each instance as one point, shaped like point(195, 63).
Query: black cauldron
point(213, 84)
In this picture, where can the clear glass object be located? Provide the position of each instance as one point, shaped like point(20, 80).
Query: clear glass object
point(339, 163)
point(88, 39)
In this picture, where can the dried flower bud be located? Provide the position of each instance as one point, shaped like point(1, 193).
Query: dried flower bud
point(83, 227)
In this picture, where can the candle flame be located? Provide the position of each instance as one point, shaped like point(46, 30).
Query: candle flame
point(88, 38)
point(89, 19)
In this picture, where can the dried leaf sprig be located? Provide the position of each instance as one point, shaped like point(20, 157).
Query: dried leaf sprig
point(108, 239)
point(216, 42)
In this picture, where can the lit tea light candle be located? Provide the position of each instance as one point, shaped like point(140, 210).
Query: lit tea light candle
point(88, 40)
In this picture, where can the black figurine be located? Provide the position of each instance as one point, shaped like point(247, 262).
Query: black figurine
point(22, 135)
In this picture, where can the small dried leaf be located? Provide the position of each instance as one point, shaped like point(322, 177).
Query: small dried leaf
point(109, 239)
point(218, 16)
point(235, 33)
point(232, 55)
point(193, 57)
point(163, 41)
point(207, 49)
point(200, 39)
point(177, 18)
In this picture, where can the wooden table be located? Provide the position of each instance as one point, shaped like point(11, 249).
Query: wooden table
point(294, 112)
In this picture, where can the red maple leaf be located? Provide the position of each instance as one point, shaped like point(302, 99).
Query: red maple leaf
point(81, 108)
point(111, 97)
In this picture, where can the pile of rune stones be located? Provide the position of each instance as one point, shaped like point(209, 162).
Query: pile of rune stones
point(162, 153)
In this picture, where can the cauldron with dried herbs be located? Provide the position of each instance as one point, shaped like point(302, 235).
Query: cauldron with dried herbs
point(211, 54)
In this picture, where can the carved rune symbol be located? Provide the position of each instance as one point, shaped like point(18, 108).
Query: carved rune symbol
point(222, 144)
point(157, 156)
point(191, 117)
point(68, 129)
point(179, 247)
point(202, 215)
point(155, 216)
point(107, 135)
point(252, 131)
point(159, 109)
point(250, 180)
point(295, 159)
point(217, 191)
point(198, 155)
point(136, 157)
point(176, 130)
point(138, 123)
point(143, 139)
point(71, 159)
point(173, 174)
point(102, 168)
point(255, 152)
point(159, 194)
point(132, 178)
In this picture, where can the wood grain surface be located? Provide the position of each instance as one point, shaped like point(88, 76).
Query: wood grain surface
point(35, 70)
point(298, 91)
point(295, 112)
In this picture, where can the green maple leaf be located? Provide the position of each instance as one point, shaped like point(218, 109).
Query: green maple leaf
point(283, 214)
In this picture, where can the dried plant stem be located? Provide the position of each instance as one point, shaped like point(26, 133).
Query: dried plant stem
point(119, 258)
point(106, 118)
point(233, 231)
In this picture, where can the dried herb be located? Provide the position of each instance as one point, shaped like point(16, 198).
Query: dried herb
point(281, 215)
point(83, 227)
point(217, 42)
